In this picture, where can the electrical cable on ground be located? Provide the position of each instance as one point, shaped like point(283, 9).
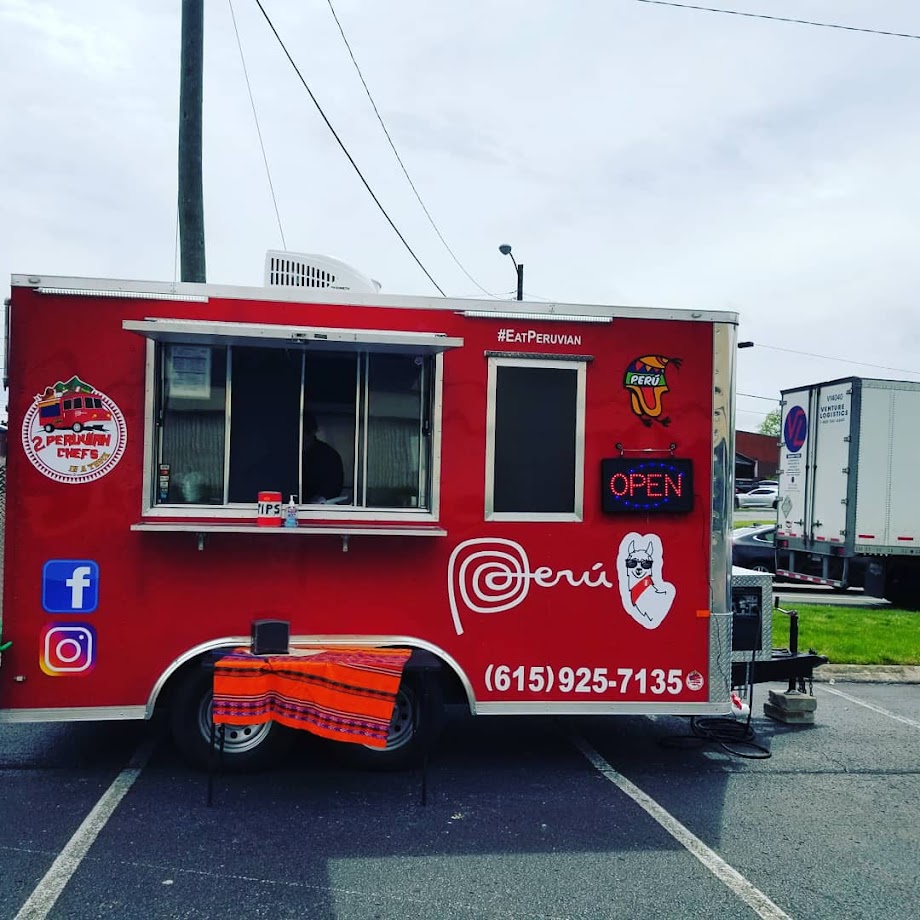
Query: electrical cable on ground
point(398, 158)
point(341, 144)
point(725, 731)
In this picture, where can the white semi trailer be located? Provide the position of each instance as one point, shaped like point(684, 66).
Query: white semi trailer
point(848, 509)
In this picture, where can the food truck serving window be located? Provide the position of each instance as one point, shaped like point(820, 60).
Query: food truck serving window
point(349, 424)
point(535, 432)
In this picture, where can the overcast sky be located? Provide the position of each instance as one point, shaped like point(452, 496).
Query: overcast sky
point(631, 153)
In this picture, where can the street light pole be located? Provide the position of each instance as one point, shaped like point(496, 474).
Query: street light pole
point(505, 250)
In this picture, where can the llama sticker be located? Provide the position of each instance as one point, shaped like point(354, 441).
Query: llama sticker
point(646, 597)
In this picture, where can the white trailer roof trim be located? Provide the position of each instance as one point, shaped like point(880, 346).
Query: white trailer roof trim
point(127, 295)
point(542, 317)
point(181, 290)
point(226, 333)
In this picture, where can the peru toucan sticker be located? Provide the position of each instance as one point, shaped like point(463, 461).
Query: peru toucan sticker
point(73, 432)
point(646, 381)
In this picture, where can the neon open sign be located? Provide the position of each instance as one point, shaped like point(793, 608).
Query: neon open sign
point(629, 485)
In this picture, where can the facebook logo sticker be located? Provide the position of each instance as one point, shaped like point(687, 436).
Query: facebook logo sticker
point(70, 586)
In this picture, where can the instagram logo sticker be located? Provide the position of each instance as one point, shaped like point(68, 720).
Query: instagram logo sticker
point(486, 576)
point(67, 649)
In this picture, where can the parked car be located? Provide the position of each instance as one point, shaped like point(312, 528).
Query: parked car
point(761, 497)
point(754, 548)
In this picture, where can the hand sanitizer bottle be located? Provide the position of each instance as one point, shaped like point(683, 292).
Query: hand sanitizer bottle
point(290, 514)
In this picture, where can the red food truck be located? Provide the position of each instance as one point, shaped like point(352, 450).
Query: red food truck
point(535, 498)
point(72, 406)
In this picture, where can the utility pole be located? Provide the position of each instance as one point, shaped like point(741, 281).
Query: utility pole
point(191, 196)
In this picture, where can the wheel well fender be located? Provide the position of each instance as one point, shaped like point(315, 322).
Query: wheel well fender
point(453, 677)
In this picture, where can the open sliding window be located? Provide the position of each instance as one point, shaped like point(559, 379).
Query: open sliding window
point(346, 421)
point(535, 430)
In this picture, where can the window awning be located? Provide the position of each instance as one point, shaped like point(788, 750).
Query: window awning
point(204, 332)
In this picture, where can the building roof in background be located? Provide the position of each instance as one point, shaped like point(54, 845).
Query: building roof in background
point(764, 448)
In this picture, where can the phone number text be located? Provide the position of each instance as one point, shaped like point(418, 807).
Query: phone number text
point(502, 678)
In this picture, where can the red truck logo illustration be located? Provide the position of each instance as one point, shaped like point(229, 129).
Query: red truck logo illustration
point(74, 408)
point(73, 432)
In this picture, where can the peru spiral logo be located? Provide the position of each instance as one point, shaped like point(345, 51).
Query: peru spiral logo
point(486, 575)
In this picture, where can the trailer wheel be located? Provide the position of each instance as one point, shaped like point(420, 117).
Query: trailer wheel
point(246, 747)
point(417, 720)
point(903, 588)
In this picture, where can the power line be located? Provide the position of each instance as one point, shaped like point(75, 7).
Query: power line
point(809, 354)
point(339, 141)
point(801, 22)
point(772, 399)
point(255, 118)
point(396, 153)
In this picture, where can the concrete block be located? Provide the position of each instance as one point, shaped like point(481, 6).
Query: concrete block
point(791, 707)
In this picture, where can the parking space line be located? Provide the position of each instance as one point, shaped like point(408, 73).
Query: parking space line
point(872, 706)
point(731, 878)
point(49, 889)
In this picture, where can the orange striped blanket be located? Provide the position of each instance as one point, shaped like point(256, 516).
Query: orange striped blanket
point(347, 694)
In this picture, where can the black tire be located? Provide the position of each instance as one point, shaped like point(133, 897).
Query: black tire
point(49, 428)
point(775, 503)
point(77, 427)
point(246, 747)
point(737, 504)
point(903, 588)
point(417, 721)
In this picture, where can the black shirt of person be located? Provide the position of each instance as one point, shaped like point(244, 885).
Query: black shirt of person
point(322, 470)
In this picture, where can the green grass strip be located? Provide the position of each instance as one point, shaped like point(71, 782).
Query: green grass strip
point(854, 635)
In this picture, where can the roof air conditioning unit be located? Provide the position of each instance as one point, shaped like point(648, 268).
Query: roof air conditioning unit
point(305, 270)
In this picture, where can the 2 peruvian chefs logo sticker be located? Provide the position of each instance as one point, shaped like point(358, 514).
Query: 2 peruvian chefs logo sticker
point(74, 432)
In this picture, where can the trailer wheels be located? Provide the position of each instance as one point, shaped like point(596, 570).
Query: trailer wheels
point(903, 588)
point(246, 747)
point(417, 720)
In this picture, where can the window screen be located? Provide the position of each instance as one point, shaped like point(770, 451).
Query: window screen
point(347, 428)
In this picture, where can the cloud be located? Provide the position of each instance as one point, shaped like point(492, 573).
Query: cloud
point(629, 153)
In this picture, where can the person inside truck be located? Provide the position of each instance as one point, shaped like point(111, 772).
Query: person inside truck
point(323, 474)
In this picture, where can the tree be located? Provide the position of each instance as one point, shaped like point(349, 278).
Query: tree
point(770, 424)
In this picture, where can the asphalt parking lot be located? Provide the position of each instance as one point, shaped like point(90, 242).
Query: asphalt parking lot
point(525, 818)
